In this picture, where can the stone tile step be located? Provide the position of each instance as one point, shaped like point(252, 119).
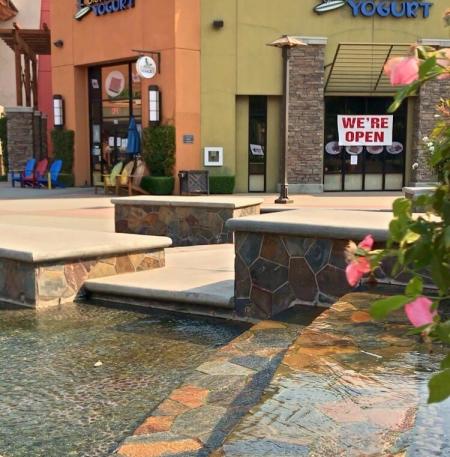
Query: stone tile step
point(196, 276)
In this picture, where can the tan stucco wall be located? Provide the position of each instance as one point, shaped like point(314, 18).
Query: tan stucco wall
point(236, 60)
point(28, 17)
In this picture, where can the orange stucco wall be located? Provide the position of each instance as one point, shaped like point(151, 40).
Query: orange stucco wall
point(171, 27)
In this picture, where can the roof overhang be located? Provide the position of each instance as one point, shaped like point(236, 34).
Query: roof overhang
point(7, 10)
point(30, 41)
point(358, 68)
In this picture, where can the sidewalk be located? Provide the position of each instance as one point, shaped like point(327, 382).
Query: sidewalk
point(80, 208)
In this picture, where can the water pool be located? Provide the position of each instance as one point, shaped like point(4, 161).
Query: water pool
point(54, 402)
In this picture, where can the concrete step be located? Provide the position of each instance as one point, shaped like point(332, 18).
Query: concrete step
point(196, 277)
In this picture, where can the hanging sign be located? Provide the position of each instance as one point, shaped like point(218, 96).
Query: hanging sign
point(101, 7)
point(365, 130)
point(146, 67)
point(381, 8)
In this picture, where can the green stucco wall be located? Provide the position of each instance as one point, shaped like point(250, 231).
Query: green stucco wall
point(237, 62)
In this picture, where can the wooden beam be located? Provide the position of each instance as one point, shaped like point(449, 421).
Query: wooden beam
point(27, 81)
point(34, 85)
point(23, 45)
point(18, 59)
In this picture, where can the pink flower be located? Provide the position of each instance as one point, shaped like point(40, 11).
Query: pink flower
point(402, 70)
point(419, 311)
point(356, 270)
point(358, 264)
point(367, 243)
point(444, 61)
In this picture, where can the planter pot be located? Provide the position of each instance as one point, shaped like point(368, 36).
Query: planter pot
point(158, 185)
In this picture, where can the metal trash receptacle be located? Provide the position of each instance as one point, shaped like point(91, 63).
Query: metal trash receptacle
point(194, 182)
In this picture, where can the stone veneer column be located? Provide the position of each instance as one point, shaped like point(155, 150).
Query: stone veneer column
point(306, 117)
point(424, 122)
point(44, 137)
point(20, 134)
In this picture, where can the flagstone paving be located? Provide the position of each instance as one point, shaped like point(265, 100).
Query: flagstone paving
point(195, 418)
point(347, 387)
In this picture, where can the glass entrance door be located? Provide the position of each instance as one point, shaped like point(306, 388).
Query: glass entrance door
point(257, 154)
point(357, 168)
point(115, 95)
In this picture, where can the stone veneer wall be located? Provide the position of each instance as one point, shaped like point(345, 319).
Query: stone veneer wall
point(186, 226)
point(42, 285)
point(274, 272)
point(424, 122)
point(20, 132)
point(306, 119)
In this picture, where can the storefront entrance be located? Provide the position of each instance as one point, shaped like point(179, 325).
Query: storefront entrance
point(358, 168)
point(114, 95)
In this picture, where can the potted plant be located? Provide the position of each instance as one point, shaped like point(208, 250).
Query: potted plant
point(159, 155)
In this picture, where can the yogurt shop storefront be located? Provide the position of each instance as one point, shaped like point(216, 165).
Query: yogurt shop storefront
point(117, 60)
point(340, 136)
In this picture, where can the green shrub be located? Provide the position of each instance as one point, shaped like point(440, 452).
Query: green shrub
point(4, 142)
point(159, 149)
point(221, 184)
point(63, 148)
point(158, 185)
point(67, 180)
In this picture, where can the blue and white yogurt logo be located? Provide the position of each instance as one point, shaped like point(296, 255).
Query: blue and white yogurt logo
point(101, 7)
point(382, 8)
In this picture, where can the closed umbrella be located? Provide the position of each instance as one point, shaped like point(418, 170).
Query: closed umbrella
point(134, 139)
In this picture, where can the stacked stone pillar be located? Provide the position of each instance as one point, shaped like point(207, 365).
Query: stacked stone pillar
point(27, 136)
point(424, 121)
point(306, 117)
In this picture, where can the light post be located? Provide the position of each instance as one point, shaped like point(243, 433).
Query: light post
point(286, 43)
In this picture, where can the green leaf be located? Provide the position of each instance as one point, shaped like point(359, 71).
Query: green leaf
point(439, 386)
point(410, 237)
point(427, 66)
point(414, 287)
point(447, 237)
point(402, 207)
point(397, 230)
point(442, 332)
point(446, 362)
point(381, 308)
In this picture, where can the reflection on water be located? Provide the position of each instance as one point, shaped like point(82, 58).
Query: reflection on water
point(349, 387)
point(55, 403)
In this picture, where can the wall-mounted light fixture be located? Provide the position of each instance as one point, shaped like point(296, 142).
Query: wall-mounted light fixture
point(218, 24)
point(154, 105)
point(58, 111)
point(58, 43)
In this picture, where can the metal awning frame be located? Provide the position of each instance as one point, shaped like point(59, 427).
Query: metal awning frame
point(359, 67)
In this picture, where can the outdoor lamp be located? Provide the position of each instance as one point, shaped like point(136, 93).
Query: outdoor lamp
point(154, 105)
point(58, 111)
point(285, 43)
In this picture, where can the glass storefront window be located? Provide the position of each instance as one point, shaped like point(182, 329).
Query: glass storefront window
point(114, 93)
point(373, 168)
point(257, 144)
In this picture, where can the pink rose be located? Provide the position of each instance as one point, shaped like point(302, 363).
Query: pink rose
point(367, 243)
point(356, 270)
point(402, 70)
point(419, 311)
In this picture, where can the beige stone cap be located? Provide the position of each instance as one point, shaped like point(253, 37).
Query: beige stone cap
point(39, 244)
point(318, 223)
point(204, 201)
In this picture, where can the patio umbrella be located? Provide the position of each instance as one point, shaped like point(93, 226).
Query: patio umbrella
point(134, 139)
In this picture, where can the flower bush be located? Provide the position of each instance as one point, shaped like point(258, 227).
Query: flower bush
point(419, 244)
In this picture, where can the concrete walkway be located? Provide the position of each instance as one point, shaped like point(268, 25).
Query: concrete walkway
point(81, 209)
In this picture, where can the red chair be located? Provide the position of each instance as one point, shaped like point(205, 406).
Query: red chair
point(39, 172)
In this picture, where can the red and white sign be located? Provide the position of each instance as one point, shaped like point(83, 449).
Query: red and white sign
point(365, 130)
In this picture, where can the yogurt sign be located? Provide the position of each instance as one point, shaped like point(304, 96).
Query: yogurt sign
point(365, 130)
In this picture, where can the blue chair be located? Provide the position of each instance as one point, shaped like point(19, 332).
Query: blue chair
point(52, 178)
point(26, 174)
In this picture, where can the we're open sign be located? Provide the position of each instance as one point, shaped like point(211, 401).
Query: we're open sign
point(365, 130)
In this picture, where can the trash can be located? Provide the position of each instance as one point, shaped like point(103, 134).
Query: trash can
point(194, 182)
